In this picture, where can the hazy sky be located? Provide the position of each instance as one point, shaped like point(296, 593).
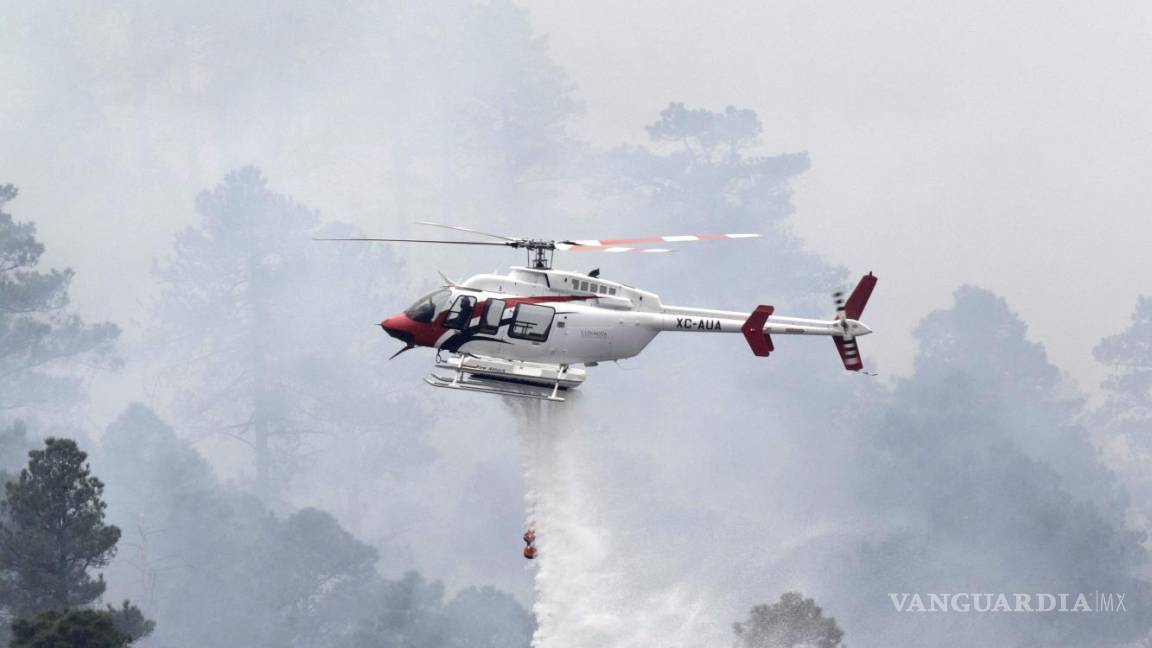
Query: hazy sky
point(1003, 145)
point(1007, 145)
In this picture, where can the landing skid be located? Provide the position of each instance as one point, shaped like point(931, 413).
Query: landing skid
point(497, 387)
point(506, 377)
point(517, 371)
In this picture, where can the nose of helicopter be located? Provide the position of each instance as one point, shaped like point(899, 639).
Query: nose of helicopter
point(398, 326)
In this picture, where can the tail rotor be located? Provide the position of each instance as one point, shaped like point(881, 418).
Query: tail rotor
point(847, 314)
point(838, 300)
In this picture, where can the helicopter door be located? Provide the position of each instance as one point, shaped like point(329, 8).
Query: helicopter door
point(491, 315)
point(531, 322)
point(460, 313)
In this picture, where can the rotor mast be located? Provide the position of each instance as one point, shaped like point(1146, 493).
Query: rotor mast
point(540, 252)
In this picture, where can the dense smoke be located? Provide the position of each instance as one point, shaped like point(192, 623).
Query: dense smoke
point(278, 482)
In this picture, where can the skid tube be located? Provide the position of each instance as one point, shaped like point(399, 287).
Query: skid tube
point(468, 381)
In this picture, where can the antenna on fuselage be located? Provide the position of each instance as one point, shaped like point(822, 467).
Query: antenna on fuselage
point(447, 282)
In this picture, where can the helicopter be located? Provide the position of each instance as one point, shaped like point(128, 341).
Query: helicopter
point(534, 331)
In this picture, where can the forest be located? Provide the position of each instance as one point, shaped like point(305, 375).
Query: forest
point(203, 443)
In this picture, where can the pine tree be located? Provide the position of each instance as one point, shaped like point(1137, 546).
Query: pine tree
point(229, 298)
point(52, 532)
point(37, 334)
point(59, 628)
point(264, 331)
point(791, 622)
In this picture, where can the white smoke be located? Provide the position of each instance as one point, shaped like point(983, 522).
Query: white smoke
point(596, 582)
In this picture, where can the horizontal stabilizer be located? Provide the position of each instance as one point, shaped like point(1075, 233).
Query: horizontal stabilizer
point(753, 331)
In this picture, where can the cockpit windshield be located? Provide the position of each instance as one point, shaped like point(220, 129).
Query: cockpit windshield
point(427, 306)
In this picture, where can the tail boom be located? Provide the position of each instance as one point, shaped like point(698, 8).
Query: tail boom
point(759, 325)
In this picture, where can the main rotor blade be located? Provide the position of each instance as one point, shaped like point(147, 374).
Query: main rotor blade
point(606, 248)
point(467, 229)
point(399, 240)
point(660, 239)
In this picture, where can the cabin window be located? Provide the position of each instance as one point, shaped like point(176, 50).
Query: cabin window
point(583, 285)
point(603, 289)
point(428, 306)
point(531, 322)
point(611, 291)
point(490, 318)
point(460, 313)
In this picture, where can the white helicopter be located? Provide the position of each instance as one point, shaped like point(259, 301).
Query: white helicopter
point(524, 333)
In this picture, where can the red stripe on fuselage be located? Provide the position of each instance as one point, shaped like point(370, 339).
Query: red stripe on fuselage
point(428, 334)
